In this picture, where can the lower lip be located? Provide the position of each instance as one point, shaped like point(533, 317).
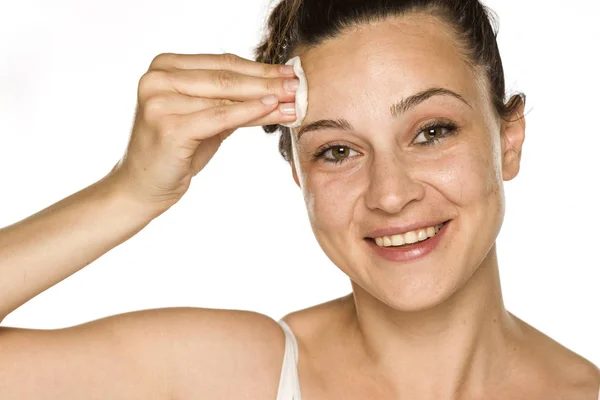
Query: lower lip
point(412, 252)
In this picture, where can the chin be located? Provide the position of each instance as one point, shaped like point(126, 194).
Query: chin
point(410, 292)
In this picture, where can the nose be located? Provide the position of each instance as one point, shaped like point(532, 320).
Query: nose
point(392, 185)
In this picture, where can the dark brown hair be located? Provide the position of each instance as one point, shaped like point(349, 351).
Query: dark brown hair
point(307, 23)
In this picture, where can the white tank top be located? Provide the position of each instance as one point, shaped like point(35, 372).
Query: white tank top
point(289, 384)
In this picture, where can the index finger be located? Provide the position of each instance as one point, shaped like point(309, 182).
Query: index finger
point(227, 61)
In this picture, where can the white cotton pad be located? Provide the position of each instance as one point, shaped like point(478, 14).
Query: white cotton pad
point(301, 93)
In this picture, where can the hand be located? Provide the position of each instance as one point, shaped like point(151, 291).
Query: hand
point(187, 106)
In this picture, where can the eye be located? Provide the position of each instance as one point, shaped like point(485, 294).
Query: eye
point(335, 153)
point(434, 133)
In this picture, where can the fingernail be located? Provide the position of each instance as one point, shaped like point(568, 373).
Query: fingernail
point(291, 84)
point(269, 100)
point(288, 108)
point(286, 69)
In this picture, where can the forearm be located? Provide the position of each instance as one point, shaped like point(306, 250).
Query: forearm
point(47, 247)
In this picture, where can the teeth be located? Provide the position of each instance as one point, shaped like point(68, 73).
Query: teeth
point(398, 240)
point(408, 237)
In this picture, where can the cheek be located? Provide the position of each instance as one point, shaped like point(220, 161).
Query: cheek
point(331, 199)
point(469, 174)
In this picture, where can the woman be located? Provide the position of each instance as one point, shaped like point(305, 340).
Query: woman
point(401, 158)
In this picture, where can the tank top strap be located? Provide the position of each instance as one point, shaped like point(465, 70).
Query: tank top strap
point(289, 385)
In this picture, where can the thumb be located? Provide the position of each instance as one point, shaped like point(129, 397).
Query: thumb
point(205, 152)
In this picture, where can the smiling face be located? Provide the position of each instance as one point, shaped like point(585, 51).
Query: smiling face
point(441, 155)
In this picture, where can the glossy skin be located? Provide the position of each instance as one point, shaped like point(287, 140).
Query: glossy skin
point(434, 328)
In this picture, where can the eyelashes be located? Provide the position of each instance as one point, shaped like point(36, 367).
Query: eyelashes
point(450, 128)
point(433, 133)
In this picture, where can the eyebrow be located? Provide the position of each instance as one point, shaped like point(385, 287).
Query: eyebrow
point(395, 110)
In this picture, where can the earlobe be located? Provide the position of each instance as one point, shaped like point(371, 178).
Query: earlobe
point(513, 136)
point(511, 164)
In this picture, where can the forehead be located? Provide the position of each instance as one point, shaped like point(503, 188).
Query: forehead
point(374, 65)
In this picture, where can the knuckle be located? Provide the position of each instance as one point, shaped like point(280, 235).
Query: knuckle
point(225, 102)
point(220, 115)
point(224, 79)
point(150, 82)
point(230, 59)
point(268, 70)
point(273, 86)
point(163, 60)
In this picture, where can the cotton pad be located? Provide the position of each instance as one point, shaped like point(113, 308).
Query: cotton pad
point(301, 93)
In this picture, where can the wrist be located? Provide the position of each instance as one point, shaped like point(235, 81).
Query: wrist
point(120, 198)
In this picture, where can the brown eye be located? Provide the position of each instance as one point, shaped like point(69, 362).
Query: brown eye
point(433, 133)
point(336, 154)
point(339, 152)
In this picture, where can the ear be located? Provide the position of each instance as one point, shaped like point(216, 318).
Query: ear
point(512, 136)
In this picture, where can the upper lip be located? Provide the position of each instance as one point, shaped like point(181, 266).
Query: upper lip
point(398, 230)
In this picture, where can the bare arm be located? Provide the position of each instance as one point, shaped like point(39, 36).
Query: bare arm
point(47, 247)
point(175, 354)
point(180, 353)
point(188, 104)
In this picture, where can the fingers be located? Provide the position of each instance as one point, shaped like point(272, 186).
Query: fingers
point(165, 104)
point(203, 124)
point(217, 84)
point(170, 103)
point(187, 105)
point(284, 114)
point(200, 96)
point(229, 62)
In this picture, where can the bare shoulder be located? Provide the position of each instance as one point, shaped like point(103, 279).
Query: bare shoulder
point(170, 353)
point(316, 321)
point(569, 374)
point(576, 377)
point(223, 354)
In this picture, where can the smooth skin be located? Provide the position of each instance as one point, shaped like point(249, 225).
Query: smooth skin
point(435, 328)
point(188, 104)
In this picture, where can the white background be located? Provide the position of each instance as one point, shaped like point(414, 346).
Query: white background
point(240, 237)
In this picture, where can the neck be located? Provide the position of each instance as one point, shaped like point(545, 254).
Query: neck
point(453, 350)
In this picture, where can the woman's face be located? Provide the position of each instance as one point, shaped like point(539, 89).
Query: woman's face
point(387, 167)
